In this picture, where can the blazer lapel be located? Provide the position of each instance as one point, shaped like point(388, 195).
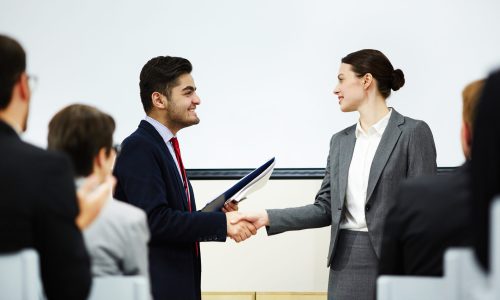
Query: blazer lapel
point(347, 144)
point(170, 160)
point(384, 150)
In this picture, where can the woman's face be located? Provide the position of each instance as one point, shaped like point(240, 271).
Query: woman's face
point(349, 89)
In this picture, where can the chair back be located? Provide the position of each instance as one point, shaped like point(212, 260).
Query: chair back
point(410, 288)
point(20, 276)
point(120, 287)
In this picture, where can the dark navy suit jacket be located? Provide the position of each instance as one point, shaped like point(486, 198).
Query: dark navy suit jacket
point(148, 178)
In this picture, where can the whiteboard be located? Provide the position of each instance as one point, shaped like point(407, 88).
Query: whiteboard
point(265, 70)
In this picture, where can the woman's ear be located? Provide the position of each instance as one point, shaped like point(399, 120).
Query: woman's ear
point(367, 80)
point(100, 159)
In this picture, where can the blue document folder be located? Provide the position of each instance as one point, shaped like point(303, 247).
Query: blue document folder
point(218, 203)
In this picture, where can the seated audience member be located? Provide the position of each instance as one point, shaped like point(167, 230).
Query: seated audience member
point(486, 165)
point(432, 213)
point(38, 204)
point(117, 239)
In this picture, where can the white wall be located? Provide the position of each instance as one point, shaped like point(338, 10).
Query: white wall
point(265, 70)
point(292, 261)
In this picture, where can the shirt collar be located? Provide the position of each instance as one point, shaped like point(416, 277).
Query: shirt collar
point(377, 128)
point(163, 130)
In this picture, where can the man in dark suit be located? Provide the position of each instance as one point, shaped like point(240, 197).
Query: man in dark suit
point(432, 213)
point(38, 205)
point(151, 175)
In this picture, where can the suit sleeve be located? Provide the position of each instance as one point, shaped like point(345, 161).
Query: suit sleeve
point(314, 215)
point(64, 262)
point(422, 152)
point(141, 182)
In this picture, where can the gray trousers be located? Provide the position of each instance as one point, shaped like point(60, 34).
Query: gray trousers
point(353, 273)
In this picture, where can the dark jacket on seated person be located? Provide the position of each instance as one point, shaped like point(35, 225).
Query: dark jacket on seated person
point(38, 209)
point(431, 214)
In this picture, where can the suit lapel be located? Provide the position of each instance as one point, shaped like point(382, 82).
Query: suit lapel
point(384, 150)
point(171, 165)
point(347, 144)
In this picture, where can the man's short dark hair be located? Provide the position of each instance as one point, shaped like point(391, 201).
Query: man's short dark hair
point(12, 65)
point(81, 131)
point(160, 75)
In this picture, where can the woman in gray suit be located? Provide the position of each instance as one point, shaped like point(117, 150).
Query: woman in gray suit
point(366, 163)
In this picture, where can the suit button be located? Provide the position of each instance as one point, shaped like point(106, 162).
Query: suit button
point(367, 207)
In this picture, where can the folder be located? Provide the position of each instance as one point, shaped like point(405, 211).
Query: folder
point(245, 186)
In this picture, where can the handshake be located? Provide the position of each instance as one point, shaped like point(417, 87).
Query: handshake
point(242, 225)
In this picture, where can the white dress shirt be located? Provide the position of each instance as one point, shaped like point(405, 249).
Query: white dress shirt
point(359, 171)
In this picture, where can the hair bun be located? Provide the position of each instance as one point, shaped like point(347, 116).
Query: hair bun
point(398, 79)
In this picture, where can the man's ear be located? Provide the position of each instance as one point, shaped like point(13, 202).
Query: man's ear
point(24, 89)
point(466, 139)
point(159, 101)
point(367, 80)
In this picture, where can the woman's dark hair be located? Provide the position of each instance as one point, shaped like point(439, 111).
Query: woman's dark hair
point(160, 75)
point(376, 63)
point(80, 131)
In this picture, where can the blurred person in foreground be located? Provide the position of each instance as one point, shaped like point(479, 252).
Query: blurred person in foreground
point(486, 166)
point(39, 208)
point(117, 240)
point(432, 213)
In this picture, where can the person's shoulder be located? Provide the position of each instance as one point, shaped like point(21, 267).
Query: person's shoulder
point(414, 124)
point(346, 131)
point(423, 183)
point(431, 187)
point(137, 136)
point(127, 220)
point(41, 160)
point(28, 151)
point(120, 208)
point(140, 139)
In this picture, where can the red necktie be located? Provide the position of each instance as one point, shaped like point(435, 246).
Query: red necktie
point(177, 151)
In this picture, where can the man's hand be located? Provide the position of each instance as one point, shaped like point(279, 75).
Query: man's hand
point(239, 231)
point(258, 218)
point(230, 206)
point(91, 197)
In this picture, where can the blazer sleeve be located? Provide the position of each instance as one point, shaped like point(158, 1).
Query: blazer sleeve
point(313, 215)
point(422, 152)
point(141, 182)
point(64, 262)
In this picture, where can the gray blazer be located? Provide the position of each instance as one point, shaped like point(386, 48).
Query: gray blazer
point(405, 150)
point(117, 240)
